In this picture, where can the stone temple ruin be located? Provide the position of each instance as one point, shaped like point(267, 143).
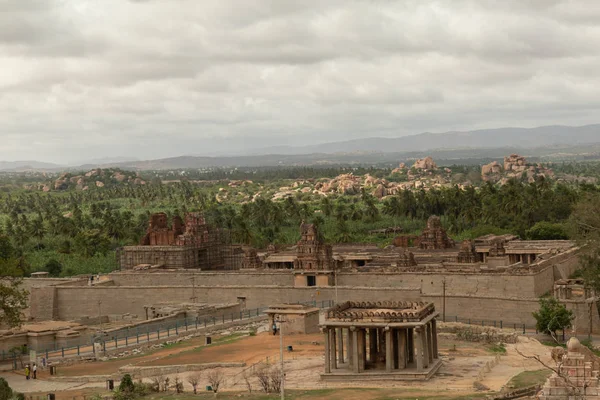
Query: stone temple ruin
point(434, 236)
point(381, 340)
point(189, 244)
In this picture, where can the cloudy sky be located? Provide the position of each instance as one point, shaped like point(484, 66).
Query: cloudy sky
point(86, 79)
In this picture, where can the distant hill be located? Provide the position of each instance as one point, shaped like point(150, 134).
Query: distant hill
point(26, 165)
point(549, 143)
point(485, 138)
point(471, 156)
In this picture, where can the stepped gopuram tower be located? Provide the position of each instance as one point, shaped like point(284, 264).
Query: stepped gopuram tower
point(159, 233)
point(468, 253)
point(434, 237)
point(312, 252)
point(196, 230)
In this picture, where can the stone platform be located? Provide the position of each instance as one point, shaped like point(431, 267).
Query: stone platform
point(382, 375)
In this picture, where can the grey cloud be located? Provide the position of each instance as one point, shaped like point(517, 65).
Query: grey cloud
point(165, 77)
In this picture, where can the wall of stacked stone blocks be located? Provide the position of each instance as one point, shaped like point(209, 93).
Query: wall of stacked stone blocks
point(476, 296)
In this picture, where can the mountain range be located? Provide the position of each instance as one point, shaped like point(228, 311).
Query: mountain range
point(547, 141)
point(485, 138)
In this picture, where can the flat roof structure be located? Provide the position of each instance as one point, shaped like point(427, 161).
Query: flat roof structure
point(381, 340)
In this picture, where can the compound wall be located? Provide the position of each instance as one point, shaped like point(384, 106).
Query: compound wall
point(487, 296)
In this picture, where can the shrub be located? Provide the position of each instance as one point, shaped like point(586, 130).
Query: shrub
point(5, 390)
point(53, 267)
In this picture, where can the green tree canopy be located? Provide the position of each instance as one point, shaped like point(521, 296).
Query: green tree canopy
point(552, 316)
point(90, 242)
point(584, 226)
point(544, 230)
point(13, 299)
point(53, 267)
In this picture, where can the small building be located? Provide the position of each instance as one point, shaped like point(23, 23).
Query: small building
point(381, 340)
point(298, 318)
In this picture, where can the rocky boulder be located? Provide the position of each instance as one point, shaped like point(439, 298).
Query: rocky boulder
point(492, 168)
point(426, 163)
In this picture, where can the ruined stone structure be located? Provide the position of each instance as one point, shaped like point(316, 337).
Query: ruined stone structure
point(467, 253)
point(434, 236)
point(297, 318)
point(196, 231)
point(407, 260)
point(577, 374)
point(570, 289)
point(191, 245)
point(404, 240)
point(381, 340)
point(312, 252)
point(251, 259)
point(159, 233)
point(180, 310)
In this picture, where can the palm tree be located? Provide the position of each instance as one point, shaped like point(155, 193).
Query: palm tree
point(343, 233)
point(37, 230)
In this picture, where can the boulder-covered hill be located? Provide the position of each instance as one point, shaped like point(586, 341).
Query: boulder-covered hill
point(97, 177)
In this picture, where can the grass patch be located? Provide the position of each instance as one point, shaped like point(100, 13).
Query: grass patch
point(529, 378)
point(552, 343)
point(497, 348)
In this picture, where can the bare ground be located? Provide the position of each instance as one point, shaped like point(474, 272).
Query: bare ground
point(462, 364)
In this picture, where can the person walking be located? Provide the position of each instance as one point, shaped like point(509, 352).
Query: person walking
point(34, 371)
point(27, 371)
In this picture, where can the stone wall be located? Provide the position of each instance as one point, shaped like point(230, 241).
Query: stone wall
point(431, 283)
point(74, 302)
point(170, 256)
point(275, 278)
point(43, 305)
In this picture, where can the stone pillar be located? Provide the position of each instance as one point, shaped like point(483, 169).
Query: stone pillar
point(327, 352)
point(430, 342)
point(350, 348)
point(340, 334)
point(434, 338)
point(359, 335)
point(389, 353)
point(332, 349)
point(418, 355)
point(402, 348)
point(424, 346)
point(395, 350)
point(373, 345)
point(410, 345)
point(355, 353)
point(364, 348)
